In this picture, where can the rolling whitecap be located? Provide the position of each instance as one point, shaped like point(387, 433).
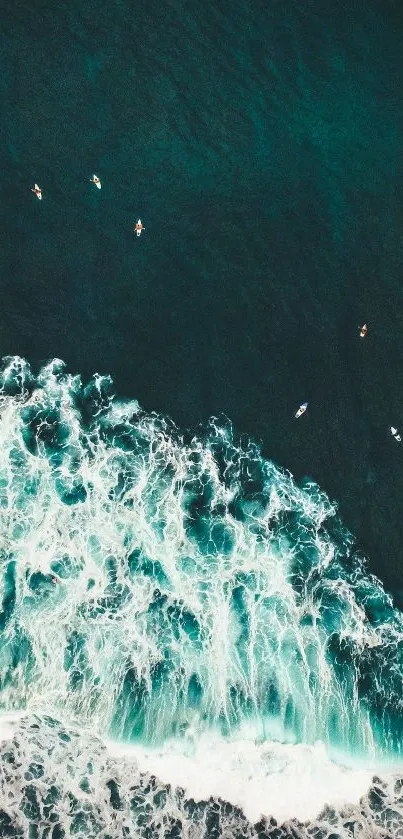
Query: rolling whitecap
point(155, 588)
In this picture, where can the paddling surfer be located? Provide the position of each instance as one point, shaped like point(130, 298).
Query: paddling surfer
point(37, 191)
point(138, 227)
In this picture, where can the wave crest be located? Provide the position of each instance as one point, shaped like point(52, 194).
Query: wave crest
point(153, 585)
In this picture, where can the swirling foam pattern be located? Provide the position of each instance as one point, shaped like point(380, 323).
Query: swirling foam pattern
point(154, 586)
point(56, 784)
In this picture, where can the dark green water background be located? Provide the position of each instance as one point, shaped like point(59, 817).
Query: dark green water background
point(261, 144)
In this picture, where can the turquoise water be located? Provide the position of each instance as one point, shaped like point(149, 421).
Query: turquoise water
point(151, 584)
point(155, 588)
point(165, 582)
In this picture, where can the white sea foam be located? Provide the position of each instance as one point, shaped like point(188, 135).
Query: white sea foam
point(269, 779)
point(145, 584)
point(169, 592)
point(73, 784)
point(9, 724)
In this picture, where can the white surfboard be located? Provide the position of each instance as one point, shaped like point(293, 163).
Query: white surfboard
point(301, 410)
point(95, 180)
point(139, 227)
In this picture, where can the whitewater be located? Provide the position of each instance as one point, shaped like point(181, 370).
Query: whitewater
point(190, 643)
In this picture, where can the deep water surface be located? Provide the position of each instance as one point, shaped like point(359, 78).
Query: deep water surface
point(261, 144)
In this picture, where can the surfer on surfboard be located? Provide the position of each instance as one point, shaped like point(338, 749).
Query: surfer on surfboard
point(95, 180)
point(301, 410)
point(37, 190)
point(139, 227)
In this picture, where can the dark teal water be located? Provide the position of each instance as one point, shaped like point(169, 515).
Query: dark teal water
point(261, 144)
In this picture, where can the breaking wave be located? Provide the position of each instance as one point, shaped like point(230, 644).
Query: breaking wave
point(160, 589)
point(56, 783)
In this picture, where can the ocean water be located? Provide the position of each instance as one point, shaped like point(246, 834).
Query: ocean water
point(180, 615)
point(200, 597)
point(260, 143)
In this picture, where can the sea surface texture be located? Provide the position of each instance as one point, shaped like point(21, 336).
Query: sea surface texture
point(175, 594)
point(260, 143)
point(200, 595)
